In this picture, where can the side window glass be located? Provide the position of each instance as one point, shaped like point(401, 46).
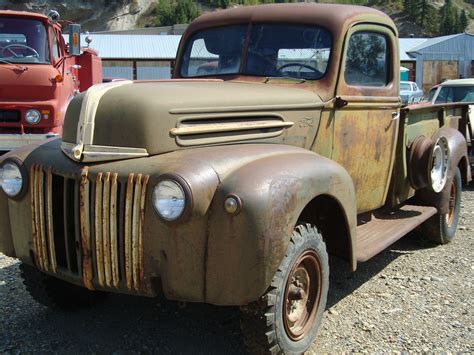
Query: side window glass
point(54, 44)
point(367, 60)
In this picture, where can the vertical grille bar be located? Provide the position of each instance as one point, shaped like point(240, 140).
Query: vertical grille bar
point(98, 229)
point(113, 232)
point(34, 218)
point(128, 231)
point(135, 228)
point(49, 211)
point(42, 233)
point(142, 224)
point(84, 217)
point(66, 207)
point(106, 228)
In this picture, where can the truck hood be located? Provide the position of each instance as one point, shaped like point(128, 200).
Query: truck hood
point(33, 84)
point(131, 119)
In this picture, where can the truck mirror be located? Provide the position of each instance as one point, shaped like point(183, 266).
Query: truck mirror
point(74, 39)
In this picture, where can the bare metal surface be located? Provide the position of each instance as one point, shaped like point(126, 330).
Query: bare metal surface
point(50, 227)
point(34, 228)
point(135, 231)
point(114, 254)
point(128, 232)
point(84, 215)
point(141, 263)
point(106, 229)
point(98, 230)
point(44, 248)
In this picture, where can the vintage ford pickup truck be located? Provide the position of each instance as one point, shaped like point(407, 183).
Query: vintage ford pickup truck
point(281, 140)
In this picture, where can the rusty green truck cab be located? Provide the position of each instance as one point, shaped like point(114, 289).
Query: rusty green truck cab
point(277, 128)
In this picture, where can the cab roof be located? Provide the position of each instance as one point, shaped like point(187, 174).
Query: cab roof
point(457, 82)
point(330, 16)
point(12, 13)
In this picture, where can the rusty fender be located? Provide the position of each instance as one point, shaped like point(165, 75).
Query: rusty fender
point(457, 151)
point(244, 250)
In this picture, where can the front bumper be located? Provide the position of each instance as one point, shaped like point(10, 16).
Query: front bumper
point(13, 141)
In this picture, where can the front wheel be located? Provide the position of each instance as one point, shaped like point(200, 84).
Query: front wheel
point(441, 228)
point(287, 318)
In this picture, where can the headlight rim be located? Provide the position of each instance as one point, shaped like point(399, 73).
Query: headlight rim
point(24, 176)
point(33, 123)
point(188, 197)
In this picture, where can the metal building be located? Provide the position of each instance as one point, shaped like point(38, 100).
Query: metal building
point(136, 57)
point(441, 58)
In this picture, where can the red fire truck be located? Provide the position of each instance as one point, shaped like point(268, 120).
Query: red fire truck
point(39, 75)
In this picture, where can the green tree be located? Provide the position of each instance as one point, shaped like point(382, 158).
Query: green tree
point(448, 18)
point(164, 13)
point(463, 21)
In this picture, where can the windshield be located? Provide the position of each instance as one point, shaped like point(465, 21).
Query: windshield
point(455, 94)
point(405, 86)
point(271, 50)
point(23, 41)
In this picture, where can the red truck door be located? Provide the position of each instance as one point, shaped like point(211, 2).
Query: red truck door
point(366, 125)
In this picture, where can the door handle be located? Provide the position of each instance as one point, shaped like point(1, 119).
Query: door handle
point(395, 116)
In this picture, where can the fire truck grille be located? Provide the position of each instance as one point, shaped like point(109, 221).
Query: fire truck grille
point(91, 228)
point(8, 116)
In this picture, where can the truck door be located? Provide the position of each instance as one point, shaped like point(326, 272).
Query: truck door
point(366, 115)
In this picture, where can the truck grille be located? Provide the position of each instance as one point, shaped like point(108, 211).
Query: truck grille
point(8, 116)
point(92, 228)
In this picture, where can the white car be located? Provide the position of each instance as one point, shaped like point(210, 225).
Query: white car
point(410, 93)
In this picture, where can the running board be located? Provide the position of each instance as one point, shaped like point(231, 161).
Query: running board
point(386, 227)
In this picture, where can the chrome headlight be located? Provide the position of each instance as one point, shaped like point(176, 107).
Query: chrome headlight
point(11, 179)
point(33, 116)
point(169, 199)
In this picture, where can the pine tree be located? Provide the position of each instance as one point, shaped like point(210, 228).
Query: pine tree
point(448, 18)
point(463, 21)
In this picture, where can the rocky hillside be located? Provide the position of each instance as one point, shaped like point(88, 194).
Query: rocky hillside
point(101, 15)
point(94, 15)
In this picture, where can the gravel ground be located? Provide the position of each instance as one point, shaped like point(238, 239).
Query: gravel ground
point(411, 297)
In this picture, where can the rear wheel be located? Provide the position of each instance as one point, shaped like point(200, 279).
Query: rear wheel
point(55, 293)
point(287, 318)
point(441, 228)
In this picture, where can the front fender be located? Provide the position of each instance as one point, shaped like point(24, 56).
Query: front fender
point(245, 250)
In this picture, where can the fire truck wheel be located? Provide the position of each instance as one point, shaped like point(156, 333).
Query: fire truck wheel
point(441, 228)
point(287, 317)
point(55, 293)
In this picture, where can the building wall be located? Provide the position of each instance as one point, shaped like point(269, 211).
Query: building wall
point(451, 58)
point(136, 69)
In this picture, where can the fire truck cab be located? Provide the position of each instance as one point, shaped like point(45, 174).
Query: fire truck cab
point(39, 75)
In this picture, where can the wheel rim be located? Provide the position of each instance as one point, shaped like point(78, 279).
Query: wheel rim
point(452, 204)
point(302, 295)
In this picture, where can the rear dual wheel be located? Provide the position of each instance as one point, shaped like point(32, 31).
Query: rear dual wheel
point(287, 318)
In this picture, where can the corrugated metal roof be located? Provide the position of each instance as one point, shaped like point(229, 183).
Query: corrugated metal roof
point(134, 46)
point(406, 44)
point(432, 41)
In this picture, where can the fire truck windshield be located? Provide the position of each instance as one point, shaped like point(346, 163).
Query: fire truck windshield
point(23, 41)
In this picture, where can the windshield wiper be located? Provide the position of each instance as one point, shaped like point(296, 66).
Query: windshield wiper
point(268, 78)
point(22, 68)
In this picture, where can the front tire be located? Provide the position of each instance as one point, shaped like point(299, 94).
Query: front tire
point(55, 293)
point(287, 318)
point(441, 228)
